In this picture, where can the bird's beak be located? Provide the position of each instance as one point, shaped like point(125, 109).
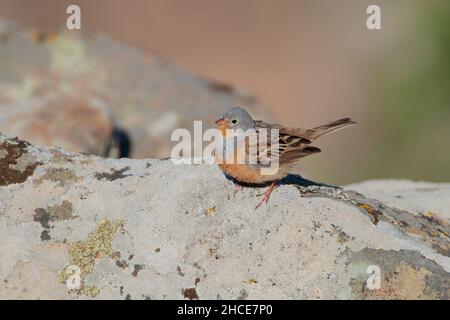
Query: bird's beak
point(221, 122)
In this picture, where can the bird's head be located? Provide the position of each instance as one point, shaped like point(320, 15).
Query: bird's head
point(236, 118)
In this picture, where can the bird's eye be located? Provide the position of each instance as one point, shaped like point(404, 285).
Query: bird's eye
point(234, 121)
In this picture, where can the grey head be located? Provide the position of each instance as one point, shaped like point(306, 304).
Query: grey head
point(236, 118)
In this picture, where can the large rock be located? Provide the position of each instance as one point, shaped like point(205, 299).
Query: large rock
point(148, 97)
point(77, 125)
point(150, 229)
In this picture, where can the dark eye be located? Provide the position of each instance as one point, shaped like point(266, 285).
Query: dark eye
point(234, 121)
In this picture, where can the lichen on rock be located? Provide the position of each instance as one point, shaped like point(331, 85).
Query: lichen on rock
point(63, 176)
point(16, 165)
point(404, 275)
point(85, 253)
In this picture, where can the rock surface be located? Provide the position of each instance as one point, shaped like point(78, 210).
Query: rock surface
point(150, 229)
point(146, 95)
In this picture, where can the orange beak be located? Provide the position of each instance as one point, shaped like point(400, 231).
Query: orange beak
point(221, 122)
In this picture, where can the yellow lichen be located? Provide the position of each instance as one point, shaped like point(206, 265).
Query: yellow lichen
point(366, 207)
point(91, 291)
point(84, 254)
point(250, 281)
point(374, 214)
point(97, 246)
point(210, 211)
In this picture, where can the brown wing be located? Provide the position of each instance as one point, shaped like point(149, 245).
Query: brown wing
point(290, 147)
point(297, 132)
point(294, 143)
point(314, 133)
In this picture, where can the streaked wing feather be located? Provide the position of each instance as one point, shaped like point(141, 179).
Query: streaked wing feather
point(290, 147)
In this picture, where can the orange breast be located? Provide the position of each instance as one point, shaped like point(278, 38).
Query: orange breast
point(244, 172)
point(248, 174)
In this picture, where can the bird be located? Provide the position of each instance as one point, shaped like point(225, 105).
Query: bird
point(287, 147)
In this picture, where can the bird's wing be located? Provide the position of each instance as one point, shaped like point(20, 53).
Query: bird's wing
point(309, 134)
point(289, 131)
point(289, 147)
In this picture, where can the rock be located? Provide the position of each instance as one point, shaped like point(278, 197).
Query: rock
point(148, 97)
point(75, 124)
point(75, 227)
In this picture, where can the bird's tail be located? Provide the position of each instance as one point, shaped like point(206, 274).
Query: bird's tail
point(330, 127)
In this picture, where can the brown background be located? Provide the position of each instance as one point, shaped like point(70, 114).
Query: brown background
point(310, 61)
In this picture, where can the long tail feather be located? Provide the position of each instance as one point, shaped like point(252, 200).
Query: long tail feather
point(330, 127)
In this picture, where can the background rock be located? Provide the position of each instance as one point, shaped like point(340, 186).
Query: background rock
point(146, 95)
point(149, 229)
point(75, 124)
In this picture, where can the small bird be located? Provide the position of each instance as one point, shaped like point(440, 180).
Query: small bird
point(292, 145)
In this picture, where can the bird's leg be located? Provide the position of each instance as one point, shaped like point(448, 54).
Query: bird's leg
point(237, 188)
point(266, 195)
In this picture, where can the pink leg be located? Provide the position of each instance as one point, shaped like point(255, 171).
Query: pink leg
point(266, 196)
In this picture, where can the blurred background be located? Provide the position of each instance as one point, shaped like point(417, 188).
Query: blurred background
point(307, 62)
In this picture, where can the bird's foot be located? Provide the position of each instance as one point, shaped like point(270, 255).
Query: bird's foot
point(266, 196)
